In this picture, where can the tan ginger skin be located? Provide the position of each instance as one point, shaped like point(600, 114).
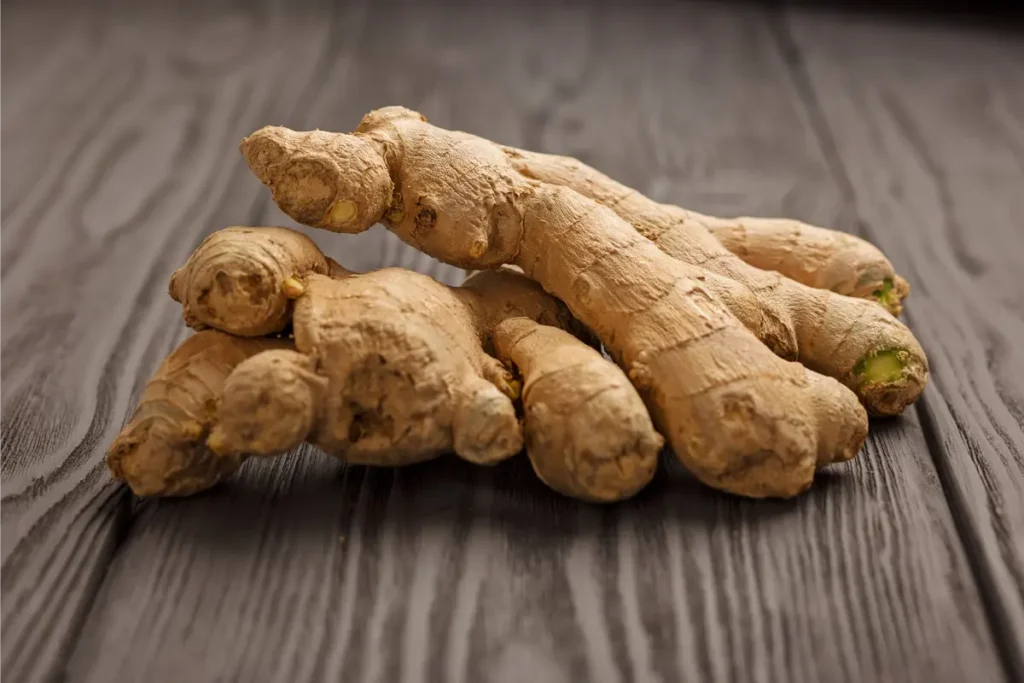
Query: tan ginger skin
point(816, 257)
point(573, 406)
point(389, 368)
point(162, 450)
point(839, 336)
point(236, 286)
point(694, 326)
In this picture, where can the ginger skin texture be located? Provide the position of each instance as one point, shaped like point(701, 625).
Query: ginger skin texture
point(816, 257)
point(390, 368)
point(162, 450)
point(573, 406)
point(707, 340)
point(237, 285)
point(588, 434)
point(835, 335)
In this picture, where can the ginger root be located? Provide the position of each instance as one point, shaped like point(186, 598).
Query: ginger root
point(390, 368)
point(245, 287)
point(707, 340)
point(162, 450)
point(816, 257)
point(757, 345)
point(588, 435)
point(835, 335)
point(573, 407)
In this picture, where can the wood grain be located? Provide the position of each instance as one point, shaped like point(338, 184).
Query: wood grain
point(926, 133)
point(122, 150)
point(302, 569)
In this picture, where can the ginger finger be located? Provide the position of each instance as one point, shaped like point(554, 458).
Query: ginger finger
point(162, 451)
point(588, 435)
point(244, 286)
point(816, 257)
point(482, 423)
point(852, 340)
point(269, 403)
point(738, 416)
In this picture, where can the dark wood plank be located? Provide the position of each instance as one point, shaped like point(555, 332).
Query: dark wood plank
point(926, 132)
point(304, 569)
point(120, 156)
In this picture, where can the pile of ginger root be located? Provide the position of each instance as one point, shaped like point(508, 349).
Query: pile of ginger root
point(598, 327)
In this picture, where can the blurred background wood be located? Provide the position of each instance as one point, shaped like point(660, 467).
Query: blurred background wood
point(120, 125)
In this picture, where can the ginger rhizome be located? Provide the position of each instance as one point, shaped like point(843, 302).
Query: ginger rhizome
point(709, 341)
point(242, 286)
point(588, 434)
point(816, 257)
point(390, 368)
point(839, 336)
point(574, 407)
point(162, 450)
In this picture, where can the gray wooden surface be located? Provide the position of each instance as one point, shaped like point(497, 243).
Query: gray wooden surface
point(120, 124)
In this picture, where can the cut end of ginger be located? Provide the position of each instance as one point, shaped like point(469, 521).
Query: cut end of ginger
point(891, 294)
point(884, 366)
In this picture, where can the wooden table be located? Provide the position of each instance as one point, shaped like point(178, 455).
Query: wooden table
point(120, 130)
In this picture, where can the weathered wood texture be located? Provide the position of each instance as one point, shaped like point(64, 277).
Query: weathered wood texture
point(924, 133)
point(120, 128)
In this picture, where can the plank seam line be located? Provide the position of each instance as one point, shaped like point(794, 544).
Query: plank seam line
point(977, 562)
